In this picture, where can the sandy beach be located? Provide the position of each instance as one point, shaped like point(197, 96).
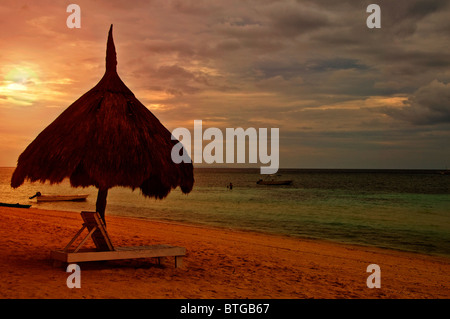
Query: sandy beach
point(219, 264)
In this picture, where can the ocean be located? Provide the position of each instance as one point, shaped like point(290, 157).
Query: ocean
point(406, 210)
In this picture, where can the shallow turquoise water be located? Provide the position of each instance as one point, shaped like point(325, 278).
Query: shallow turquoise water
point(405, 210)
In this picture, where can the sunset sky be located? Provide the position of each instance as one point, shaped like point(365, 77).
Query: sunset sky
point(342, 95)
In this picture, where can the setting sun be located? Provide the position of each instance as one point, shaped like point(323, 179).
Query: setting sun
point(19, 85)
point(20, 74)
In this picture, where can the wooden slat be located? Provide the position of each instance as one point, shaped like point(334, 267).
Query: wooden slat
point(120, 253)
point(84, 239)
point(74, 238)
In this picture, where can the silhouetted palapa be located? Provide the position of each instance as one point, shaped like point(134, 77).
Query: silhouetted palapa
point(106, 138)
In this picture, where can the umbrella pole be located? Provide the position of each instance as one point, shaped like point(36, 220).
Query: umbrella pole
point(101, 203)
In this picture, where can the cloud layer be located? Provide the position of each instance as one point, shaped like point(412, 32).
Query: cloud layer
point(429, 105)
point(342, 95)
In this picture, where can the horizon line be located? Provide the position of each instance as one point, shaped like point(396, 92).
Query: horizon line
point(310, 168)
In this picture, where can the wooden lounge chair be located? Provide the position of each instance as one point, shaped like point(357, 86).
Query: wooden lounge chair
point(105, 249)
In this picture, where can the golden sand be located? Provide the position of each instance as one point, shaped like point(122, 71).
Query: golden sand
point(219, 264)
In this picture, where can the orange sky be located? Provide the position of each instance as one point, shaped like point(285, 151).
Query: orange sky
point(343, 95)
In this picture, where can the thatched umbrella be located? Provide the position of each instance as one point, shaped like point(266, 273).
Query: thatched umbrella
point(106, 138)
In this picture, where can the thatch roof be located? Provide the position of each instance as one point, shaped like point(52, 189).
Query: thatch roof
point(106, 138)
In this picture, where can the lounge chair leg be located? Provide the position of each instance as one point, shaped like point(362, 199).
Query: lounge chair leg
point(178, 262)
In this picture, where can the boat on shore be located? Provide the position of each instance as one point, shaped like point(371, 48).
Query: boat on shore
point(58, 198)
point(271, 180)
point(15, 205)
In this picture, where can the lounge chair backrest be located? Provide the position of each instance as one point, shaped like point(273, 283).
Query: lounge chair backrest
point(100, 235)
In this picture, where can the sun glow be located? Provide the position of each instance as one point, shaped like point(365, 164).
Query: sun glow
point(16, 87)
point(19, 85)
point(20, 74)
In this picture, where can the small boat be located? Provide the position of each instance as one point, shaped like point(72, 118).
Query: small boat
point(270, 180)
point(59, 198)
point(15, 205)
point(262, 182)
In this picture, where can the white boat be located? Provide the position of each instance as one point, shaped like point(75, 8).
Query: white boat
point(58, 198)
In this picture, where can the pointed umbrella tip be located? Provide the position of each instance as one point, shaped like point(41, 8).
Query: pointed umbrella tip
point(111, 59)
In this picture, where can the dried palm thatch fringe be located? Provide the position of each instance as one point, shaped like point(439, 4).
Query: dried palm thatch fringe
point(106, 138)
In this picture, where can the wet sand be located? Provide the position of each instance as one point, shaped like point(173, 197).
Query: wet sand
point(219, 263)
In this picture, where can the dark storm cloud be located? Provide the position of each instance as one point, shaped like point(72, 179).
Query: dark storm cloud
point(180, 47)
point(177, 80)
point(313, 40)
point(402, 17)
point(194, 7)
point(427, 106)
point(316, 51)
point(400, 20)
point(289, 19)
point(313, 66)
point(335, 64)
